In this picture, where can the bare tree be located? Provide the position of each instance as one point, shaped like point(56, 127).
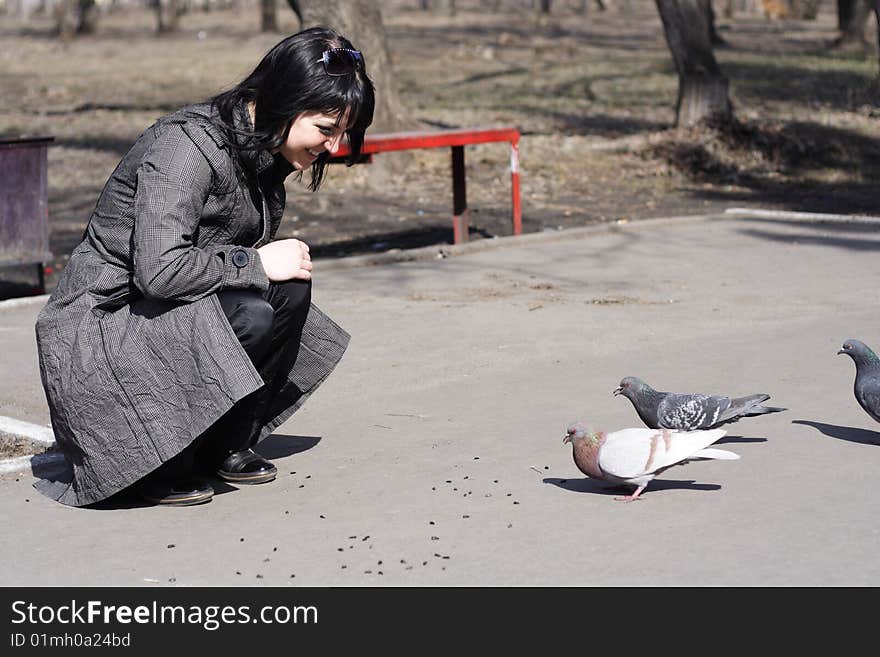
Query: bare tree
point(702, 88)
point(361, 21)
point(74, 17)
point(852, 17)
point(268, 15)
point(877, 18)
point(168, 13)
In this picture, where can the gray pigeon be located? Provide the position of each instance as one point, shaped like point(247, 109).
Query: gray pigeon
point(686, 411)
point(636, 456)
point(867, 384)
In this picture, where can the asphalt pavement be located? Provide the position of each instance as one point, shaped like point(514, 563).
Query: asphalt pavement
point(433, 454)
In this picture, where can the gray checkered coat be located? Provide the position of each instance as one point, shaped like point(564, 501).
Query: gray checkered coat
point(136, 356)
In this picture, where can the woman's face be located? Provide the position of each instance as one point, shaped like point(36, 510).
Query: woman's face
point(312, 133)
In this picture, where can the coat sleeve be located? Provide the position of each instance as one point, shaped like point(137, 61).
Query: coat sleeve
point(173, 183)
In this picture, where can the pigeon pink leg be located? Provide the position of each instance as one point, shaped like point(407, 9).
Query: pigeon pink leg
point(634, 496)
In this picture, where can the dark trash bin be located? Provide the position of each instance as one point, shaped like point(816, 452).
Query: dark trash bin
point(24, 205)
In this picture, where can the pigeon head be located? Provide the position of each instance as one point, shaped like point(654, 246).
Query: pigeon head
point(578, 431)
point(631, 386)
point(859, 352)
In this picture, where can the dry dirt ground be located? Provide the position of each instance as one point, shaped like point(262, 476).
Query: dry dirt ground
point(592, 94)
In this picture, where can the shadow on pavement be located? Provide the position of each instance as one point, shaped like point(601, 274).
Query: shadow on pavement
point(278, 446)
point(739, 439)
point(852, 434)
point(587, 485)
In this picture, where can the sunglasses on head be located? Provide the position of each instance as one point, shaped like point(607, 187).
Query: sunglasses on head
point(341, 61)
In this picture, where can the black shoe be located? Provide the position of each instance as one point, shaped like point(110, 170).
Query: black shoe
point(247, 467)
point(183, 492)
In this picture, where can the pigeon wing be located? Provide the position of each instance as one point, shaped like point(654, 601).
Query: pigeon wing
point(631, 453)
point(625, 453)
point(869, 398)
point(684, 412)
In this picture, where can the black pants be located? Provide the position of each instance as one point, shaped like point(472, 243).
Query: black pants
point(268, 325)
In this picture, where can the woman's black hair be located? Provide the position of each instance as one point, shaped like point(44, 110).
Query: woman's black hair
point(290, 80)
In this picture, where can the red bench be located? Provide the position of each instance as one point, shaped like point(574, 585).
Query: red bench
point(456, 140)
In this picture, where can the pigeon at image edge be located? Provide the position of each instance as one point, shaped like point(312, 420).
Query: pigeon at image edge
point(867, 384)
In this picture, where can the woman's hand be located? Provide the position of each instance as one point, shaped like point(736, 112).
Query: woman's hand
point(286, 259)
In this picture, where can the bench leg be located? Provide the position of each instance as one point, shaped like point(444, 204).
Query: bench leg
point(41, 277)
point(459, 197)
point(514, 189)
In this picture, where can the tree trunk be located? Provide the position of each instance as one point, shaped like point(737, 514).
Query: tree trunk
point(65, 20)
point(294, 5)
point(168, 13)
point(87, 21)
point(852, 17)
point(702, 88)
point(268, 16)
point(877, 19)
point(361, 22)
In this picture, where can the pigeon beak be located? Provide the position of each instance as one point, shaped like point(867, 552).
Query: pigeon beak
point(841, 351)
point(567, 439)
point(617, 391)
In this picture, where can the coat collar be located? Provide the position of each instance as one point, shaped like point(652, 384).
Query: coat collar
point(256, 161)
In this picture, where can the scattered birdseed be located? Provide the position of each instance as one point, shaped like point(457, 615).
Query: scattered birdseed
point(170, 545)
point(445, 556)
point(465, 516)
point(381, 573)
point(424, 563)
point(435, 538)
point(365, 537)
point(403, 561)
point(339, 549)
point(476, 458)
point(259, 577)
point(266, 559)
point(509, 525)
point(287, 513)
point(515, 502)
point(368, 572)
point(302, 485)
point(449, 481)
point(379, 563)
point(350, 537)
point(494, 481)
point(436, 555)
point(408, 568)
point(509, 494)
point(238, 572)
point(274, 549)
point(466, 476)
point(172, 579)
point(292, 576)
point(433, 488)
point(321, 516)
point(241, 540)
point(430, 522)
point(344, 566)
point(546, 467)
point(26, 499)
